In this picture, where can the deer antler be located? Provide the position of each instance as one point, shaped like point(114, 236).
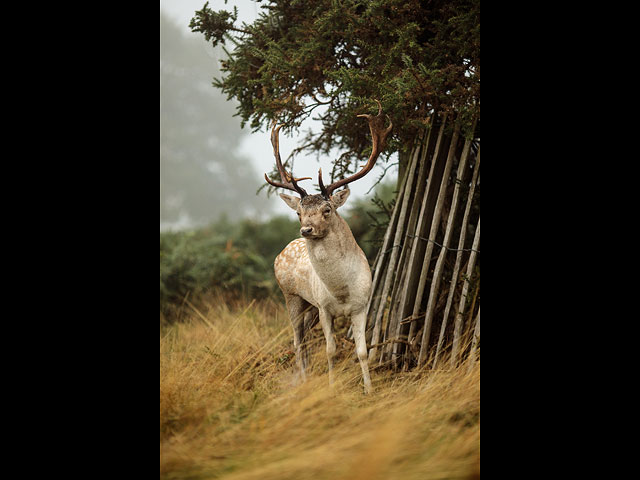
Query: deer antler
point(288, 180)
point(379, 137)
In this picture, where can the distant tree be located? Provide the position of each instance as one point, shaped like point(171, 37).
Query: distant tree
point(201, 174)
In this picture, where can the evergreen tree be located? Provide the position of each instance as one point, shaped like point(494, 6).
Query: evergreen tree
point(297, 58)
point(329, 60)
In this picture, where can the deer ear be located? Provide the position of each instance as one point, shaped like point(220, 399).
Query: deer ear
point(293, 202)
point(339, 198)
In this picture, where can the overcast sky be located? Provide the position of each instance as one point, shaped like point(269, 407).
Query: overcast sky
point(257, 146)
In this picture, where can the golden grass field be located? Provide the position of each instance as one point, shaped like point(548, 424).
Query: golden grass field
point(231, 408)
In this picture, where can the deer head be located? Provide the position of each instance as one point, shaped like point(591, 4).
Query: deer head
point(317, 212)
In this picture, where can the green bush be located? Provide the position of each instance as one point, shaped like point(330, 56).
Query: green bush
point(232, 259)
point(236, 259)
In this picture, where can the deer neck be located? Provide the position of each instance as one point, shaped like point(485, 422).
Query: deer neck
point(335, 256)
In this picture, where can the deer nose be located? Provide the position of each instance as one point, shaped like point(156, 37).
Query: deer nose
point(305, 231)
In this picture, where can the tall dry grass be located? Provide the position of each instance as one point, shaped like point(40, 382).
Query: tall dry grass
point(231, 407)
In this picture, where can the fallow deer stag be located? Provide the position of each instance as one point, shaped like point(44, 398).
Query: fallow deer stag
point(325, 274)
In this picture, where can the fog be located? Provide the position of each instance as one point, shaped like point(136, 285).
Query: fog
point(209, 165)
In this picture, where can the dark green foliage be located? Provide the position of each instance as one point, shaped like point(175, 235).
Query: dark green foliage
point(233, 259)
point(213, 25)
point(332, 59)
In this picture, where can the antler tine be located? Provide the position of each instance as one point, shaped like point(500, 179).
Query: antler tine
point(288, 180)
point(379, 137)
point(323, 190)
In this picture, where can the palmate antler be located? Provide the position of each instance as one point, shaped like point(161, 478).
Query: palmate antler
point(379, 136)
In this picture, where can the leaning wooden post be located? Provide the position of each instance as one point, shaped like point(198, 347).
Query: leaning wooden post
point(463, 298)
point(401, 282)
point(397, 242)
point(414, 260)
point(437, 272)
point(378, 267)
point(474, 342)
point(456, 268)
point(435, 225)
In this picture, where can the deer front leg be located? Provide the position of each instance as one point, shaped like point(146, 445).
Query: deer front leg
point(326, 320)
point(359, 322)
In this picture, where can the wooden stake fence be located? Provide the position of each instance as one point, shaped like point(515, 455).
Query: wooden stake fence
point(428, 199)
point(394, 254)
point(456, 268)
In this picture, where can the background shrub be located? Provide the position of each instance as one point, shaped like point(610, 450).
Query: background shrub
point(235, 259)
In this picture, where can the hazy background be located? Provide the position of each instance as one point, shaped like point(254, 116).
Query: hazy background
point(209, 166)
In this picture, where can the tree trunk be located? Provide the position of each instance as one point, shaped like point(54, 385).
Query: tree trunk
point(404, 158)
point(427, 203)
point(435, 224)
point(397, 245)
point(400, 280)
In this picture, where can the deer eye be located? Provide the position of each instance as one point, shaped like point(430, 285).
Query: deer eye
point(327, 211)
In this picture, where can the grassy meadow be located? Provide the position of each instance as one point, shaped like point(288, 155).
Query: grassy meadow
point(231, 406)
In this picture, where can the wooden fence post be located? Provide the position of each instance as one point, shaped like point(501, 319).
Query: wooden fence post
point(463, 298)
point(458, 263)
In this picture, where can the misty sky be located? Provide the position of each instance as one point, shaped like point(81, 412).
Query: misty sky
point(257, 146)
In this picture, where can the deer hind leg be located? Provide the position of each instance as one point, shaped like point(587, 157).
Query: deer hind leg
point(326, 320)
point(299, 309)
point(359, 322)
point(310, 320)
